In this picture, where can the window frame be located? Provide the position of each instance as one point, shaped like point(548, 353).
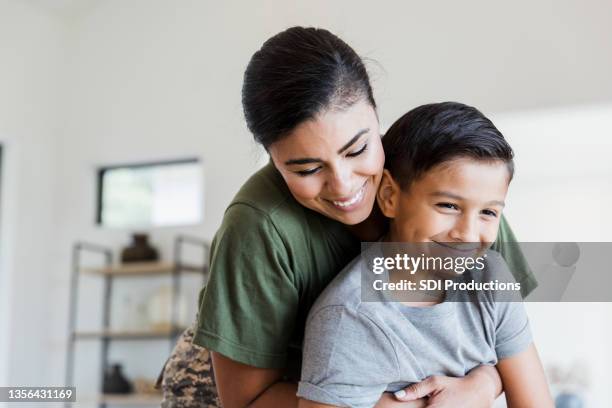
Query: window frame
point(102, 170)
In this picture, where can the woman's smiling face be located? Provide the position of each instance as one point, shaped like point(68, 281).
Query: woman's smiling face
point(333, 163)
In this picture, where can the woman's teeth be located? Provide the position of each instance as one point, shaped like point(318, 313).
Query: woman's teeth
point(352, 201)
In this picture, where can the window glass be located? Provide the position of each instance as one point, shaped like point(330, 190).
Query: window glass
point(151, 195)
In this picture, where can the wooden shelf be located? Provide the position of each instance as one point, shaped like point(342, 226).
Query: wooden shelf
point(103, 274)
point(144, 269)
point(131, 399)
point(128, 335)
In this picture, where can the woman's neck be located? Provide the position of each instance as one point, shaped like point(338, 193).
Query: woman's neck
point(372, 228)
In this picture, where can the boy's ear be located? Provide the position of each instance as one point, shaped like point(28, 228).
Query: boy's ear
point(388, 195)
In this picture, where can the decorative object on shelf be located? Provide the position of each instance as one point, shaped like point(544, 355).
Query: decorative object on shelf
point(139, 250)
point(569, 384)
point(159, 310)
point(115, 382)
point(134, 314)
point(108, 273)
point(568, 400)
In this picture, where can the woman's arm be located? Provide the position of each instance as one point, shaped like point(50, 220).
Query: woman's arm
point(524, 381)
point(386, 401)
point(478, 389)
point(240, 385)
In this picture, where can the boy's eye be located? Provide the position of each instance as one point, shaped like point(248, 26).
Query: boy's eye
point(308, 172)
point(490, 213)
point(358, 152)
point(449, 206)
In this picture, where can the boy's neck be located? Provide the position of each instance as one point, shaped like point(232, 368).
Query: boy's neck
point(420, 298)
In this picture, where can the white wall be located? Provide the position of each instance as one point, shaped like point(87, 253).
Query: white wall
point(32, 54)
point(145, 87)
point(152, 79)
point(561, 192)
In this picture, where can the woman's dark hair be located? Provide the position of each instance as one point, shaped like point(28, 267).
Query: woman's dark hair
point(297, 74)
point(432, 134)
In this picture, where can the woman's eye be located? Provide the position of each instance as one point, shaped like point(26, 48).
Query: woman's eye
point(490, 213)
point(308, 172)
point(358, 152)
point(449, 206)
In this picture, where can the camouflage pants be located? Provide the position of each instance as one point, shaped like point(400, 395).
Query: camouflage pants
point(187, 379)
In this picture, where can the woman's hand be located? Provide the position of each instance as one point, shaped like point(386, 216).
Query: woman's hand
point(477, 389)
point(387, 400)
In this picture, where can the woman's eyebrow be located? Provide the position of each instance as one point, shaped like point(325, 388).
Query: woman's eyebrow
point(308, 160)
point(353, 140)
point(303, 161)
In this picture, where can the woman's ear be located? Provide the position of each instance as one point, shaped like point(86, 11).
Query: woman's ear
point(388, 195)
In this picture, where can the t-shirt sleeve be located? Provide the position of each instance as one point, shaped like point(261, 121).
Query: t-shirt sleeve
point(249, 306)
point(510, 250)
point(512, 331)
point(348, 361)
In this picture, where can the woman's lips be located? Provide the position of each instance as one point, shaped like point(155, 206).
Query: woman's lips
point(350, 203)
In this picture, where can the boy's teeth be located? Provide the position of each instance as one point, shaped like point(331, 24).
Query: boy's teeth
point(351, 201)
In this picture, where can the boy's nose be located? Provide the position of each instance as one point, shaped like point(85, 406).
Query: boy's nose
point(465, 229)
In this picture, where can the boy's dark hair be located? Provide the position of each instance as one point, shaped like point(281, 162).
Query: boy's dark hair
point(436, 133)
point(297, 74)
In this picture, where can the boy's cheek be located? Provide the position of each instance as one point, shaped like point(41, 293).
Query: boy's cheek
point(490, 236)
point(440, 226)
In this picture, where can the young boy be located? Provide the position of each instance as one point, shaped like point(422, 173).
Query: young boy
point(447, 172)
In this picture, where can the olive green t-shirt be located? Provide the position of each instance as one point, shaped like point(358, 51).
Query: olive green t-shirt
point(269, 261)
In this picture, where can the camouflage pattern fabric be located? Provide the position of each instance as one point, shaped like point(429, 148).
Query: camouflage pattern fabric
point(187, 379)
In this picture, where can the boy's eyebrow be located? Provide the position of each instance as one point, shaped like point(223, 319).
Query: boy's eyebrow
point(307, 160)
point(458, 197)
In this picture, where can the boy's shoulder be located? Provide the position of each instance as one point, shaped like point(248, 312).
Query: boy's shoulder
point(344, 297)
point(344, 290)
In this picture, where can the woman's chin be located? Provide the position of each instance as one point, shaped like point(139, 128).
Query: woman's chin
point(344, 215)
point(352, 217)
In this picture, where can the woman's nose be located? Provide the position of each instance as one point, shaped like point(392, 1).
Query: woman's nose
point(339, 182)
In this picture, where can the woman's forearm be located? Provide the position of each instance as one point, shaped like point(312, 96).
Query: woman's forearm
point(486, 383)
point(488, 380)
point(388, 401)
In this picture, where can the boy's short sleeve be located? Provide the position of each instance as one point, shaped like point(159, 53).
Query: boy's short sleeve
point(346, 359)
point(248, 308)
point(510, 322)
point(512, 332)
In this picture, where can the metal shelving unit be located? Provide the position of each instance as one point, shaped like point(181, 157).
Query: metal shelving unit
point(109, 272)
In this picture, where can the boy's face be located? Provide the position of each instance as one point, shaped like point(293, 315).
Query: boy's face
point(459, 201)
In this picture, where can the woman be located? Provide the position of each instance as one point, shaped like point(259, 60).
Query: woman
point(292, 226)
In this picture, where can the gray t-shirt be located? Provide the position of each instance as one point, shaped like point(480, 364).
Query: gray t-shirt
point(354, 350)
